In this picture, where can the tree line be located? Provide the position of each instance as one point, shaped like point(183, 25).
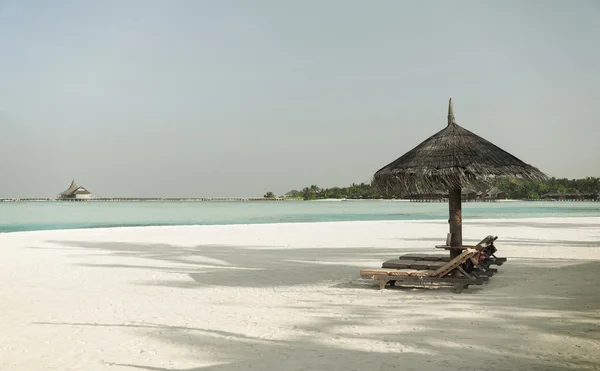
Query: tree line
point(514, 189)
point(520, 189)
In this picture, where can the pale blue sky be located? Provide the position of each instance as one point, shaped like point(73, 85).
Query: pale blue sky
point(224, 98)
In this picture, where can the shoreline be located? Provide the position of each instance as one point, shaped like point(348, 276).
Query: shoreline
point(431, 221)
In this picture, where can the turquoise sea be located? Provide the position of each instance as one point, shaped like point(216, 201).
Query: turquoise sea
point(30, 216)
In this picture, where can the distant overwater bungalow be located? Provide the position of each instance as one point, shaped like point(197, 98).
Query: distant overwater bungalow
point(75, 193)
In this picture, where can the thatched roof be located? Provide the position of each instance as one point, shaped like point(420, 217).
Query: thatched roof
point(74, 188)
point(493, 191)
point(468, 190)
point(453, 157)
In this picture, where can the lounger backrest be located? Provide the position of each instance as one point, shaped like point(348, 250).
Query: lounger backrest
point(452, 264)
point(489, 240)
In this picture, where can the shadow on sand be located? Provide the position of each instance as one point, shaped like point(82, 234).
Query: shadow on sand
point(491, 328)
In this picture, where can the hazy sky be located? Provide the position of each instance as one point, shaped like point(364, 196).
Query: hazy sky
point(224, 98)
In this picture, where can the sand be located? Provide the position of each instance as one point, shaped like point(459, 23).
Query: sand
point(289, 297)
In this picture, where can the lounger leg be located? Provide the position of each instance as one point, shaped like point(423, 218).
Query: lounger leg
point(382, 284)
point(486, 271)
point(464, 272)
point(459, 287)
point(486, 275)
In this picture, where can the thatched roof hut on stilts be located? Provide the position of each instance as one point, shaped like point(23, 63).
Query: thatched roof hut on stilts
point(452, 158)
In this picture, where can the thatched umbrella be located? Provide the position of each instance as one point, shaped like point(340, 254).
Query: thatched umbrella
point(452, 158)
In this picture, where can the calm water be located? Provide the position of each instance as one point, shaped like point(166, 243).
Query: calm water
point(28, 216)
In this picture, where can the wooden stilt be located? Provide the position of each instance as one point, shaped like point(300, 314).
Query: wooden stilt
point(455, 221)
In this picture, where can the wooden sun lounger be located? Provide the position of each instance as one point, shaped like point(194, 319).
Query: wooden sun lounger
point(457, 273)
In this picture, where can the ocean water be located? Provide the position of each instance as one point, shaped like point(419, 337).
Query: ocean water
point(30, 216)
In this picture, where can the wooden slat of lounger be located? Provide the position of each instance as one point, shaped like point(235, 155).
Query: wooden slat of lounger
point(421, 264)
point(441, 257)
point(411, 256)
point(432, 258)
point(388, 272)
point(397, 263)
point(404, 264)
point(374, 271)
point(429, 257)
point(437, 265)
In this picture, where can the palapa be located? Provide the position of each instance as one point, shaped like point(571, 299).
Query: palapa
point(453, 158)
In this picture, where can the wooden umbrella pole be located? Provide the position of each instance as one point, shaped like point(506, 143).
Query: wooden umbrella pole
point(455, 220)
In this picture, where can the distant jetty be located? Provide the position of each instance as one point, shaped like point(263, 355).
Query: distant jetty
point(76, 192)
point(148, 199)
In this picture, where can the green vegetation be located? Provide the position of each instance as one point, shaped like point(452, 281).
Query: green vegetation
point(269, 195)
point(515, 189)
point(361, 190)
point(536, 189)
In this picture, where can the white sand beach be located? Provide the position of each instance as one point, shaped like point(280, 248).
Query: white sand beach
point(289, 297)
